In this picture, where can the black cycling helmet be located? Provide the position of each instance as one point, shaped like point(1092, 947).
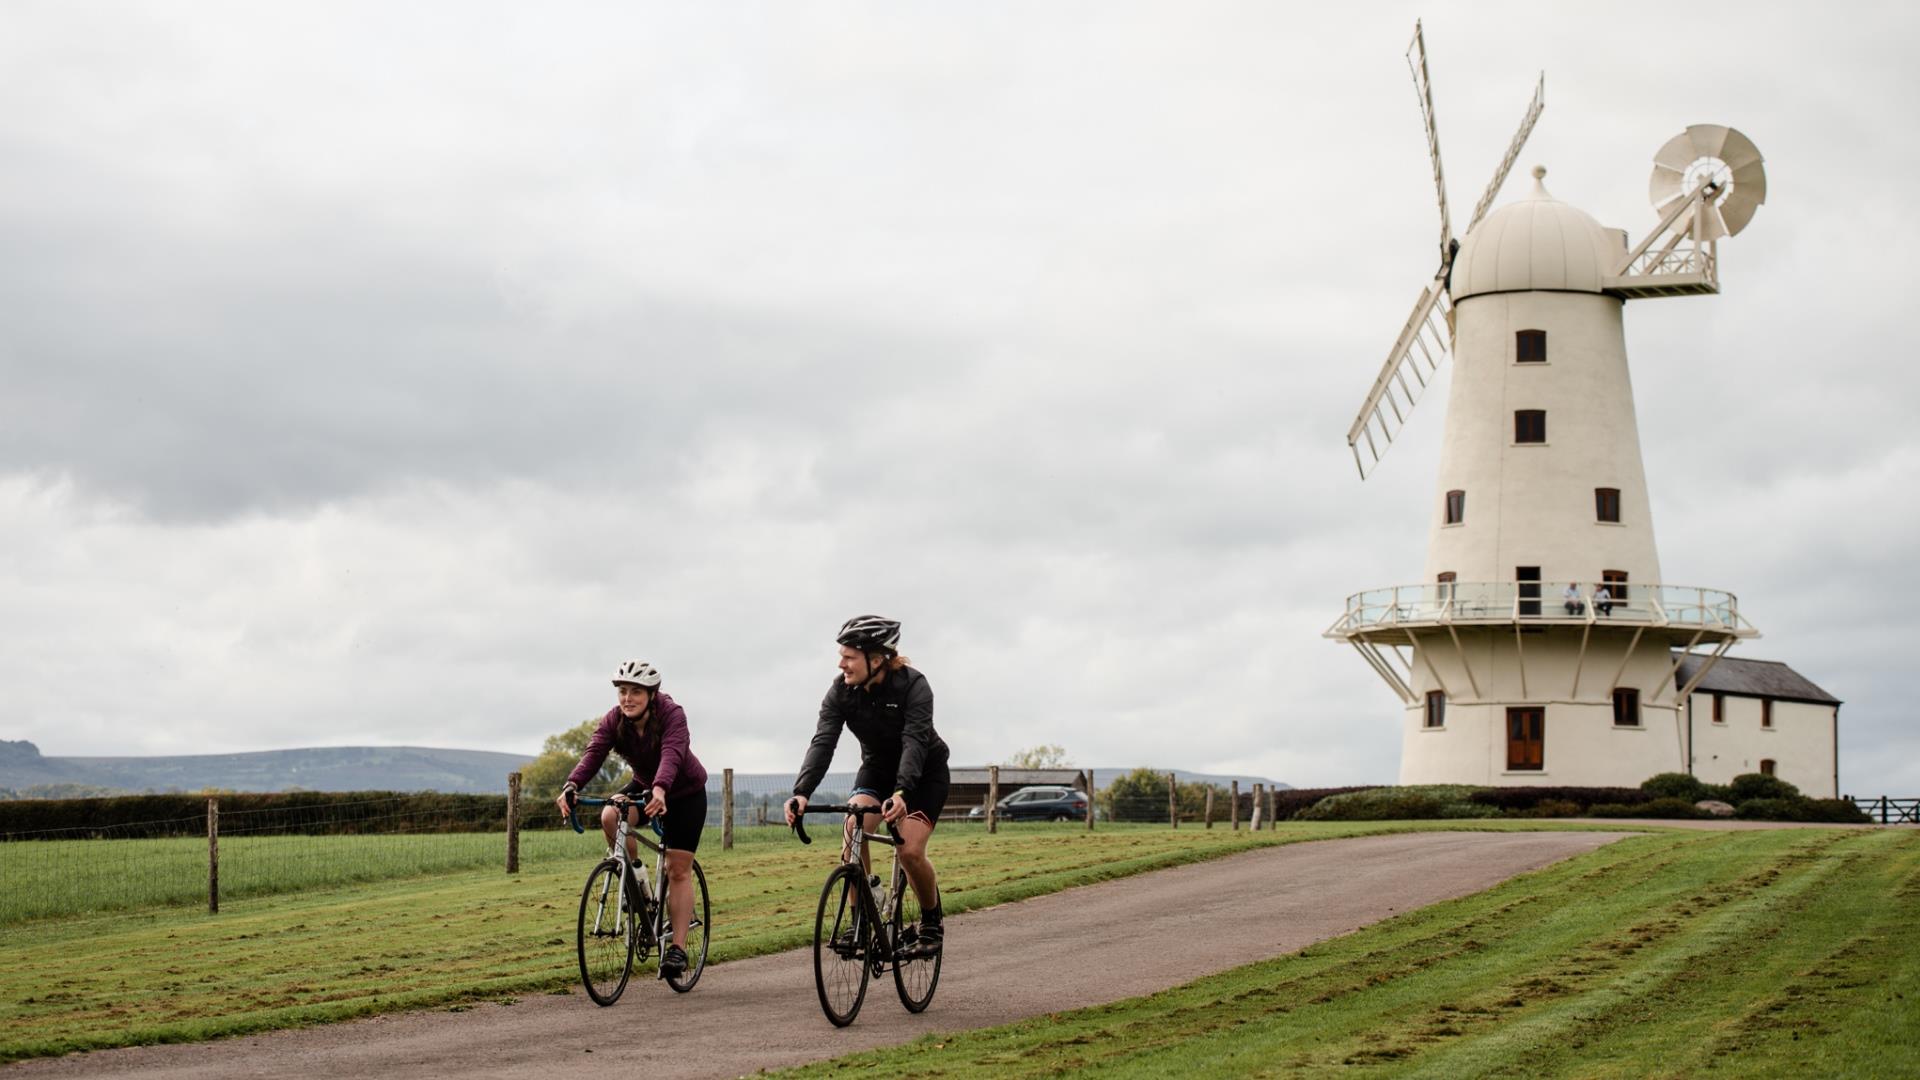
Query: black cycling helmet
point(870, 633)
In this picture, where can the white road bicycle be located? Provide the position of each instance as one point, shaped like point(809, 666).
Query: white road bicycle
point(623, 914)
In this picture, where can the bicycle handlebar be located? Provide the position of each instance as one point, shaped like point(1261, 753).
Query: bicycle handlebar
point(800, 828)
point(573, 818)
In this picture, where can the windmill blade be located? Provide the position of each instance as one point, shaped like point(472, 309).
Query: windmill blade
point(1417, 63)
point(1417, 353)
point(1534, 107)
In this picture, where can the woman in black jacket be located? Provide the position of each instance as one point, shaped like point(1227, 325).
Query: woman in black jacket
point(888, 705)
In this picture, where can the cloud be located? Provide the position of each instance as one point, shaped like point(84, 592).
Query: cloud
point(378, 376)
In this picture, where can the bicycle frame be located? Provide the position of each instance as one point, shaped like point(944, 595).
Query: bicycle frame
point(853, 836)
point(659, 929)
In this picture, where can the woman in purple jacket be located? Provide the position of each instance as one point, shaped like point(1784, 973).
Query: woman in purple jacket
point(650, 732)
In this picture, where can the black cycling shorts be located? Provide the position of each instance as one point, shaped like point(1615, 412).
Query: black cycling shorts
point(685, 816)
point(927, 800)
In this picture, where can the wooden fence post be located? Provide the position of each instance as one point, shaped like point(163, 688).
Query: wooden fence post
point(1089, 776)
point(1209, 814)
point(1255, 823)
point(1173, 801)
point(993, 798)
point(726, 810)
point(513, 823)
point(1234, 814)
point(213, 856)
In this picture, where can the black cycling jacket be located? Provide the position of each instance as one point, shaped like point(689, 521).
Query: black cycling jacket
point(894, 723)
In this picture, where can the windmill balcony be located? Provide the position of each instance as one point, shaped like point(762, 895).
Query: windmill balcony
point(1682, 611)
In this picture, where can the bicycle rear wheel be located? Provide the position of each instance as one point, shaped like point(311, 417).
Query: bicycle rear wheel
point(915, 976)
point(698, 928)
point(607, 930)
point(842, 943)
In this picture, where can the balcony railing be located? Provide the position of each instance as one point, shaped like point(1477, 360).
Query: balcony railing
point(1542, 603)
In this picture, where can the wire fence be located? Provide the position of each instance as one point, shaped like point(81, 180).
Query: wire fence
point(235, 852)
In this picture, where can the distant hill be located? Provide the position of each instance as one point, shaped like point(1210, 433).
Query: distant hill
point(340, 768)
point(26, 774)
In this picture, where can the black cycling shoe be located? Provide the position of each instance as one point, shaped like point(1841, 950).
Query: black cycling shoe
point(926, 943)
point(673, 962)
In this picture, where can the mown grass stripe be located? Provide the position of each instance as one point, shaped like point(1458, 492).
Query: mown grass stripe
point(1784, 953)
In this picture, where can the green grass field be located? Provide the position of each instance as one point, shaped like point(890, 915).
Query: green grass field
point(306, 950)
point(1788, 953)
point(1677, 953)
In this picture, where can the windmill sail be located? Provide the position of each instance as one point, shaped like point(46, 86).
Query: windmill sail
point(1423, 344)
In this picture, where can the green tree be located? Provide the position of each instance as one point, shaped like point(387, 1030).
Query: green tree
point(1141, 795)
point(1044, 756)
point(542, 778)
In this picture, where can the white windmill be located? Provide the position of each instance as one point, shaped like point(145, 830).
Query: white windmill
point(1510, 660)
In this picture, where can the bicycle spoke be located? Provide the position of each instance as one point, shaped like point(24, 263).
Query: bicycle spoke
point(842, 946)
point(606, 935)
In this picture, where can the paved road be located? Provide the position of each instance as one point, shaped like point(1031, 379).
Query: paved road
point(1085, 946)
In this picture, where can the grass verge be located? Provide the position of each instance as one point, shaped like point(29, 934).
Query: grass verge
point(1676, 954)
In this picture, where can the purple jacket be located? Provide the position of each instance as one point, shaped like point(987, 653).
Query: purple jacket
point(662, 753)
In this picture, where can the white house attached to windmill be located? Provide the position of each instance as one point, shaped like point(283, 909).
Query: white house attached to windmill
point(1544, 645)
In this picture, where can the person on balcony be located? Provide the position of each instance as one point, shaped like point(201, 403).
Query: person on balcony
point(1603, 600)
point(1572, 597)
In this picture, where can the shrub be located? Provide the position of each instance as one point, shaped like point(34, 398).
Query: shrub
point(1418, 803)
point(1770, 810)
point(1755, 785)
point(1517, 800)
point(1799, 808)
point(1675, 785)
point(1552, 808)
point(1839, 810)
point(1662, 808)
point(1288, 803)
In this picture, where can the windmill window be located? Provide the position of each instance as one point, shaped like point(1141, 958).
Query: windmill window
point(1530, 347)
point(1719, 708)
point(1606, 504)
point(1767, 766)
point(1456, 507)
point(1530, 425)
point(1445, 591)
point(1616, 583)
point(1766, 712)
point(1436, 709)
point(1626, 707)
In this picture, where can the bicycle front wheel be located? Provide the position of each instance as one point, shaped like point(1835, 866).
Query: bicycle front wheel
point(915, 976)
point(698, 927)
point(842, 943)
point(607, 933)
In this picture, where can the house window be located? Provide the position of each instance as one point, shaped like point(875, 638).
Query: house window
point(1766, 712)
point(1529, 425)
point(1530, 347)
point(1616, 583)
point(1526, 738)
point(1436, 709)
point(1445, 592)
point(1606, 504)
point(1719, 708)
point(1766, 766)
point(1626, 708)
point(1456, 507)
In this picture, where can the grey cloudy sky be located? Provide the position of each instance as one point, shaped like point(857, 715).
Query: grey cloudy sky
point(378, 373)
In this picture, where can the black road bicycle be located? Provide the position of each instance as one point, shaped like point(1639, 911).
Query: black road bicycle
point(623, 918)
point(858, 933)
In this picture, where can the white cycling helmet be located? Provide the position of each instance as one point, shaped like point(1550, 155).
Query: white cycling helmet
point(637, 672)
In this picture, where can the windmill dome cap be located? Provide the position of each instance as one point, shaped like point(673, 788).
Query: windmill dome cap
point(1536, 243)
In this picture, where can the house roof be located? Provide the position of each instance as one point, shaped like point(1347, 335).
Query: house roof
point(1754, 678)
point(962, 774)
